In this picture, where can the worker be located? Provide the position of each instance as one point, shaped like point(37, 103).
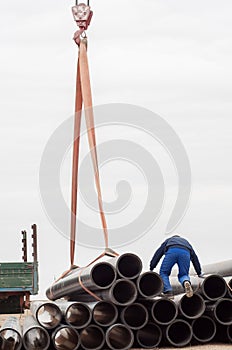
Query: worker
point(177, 250)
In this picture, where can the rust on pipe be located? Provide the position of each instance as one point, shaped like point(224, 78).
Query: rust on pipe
point(149, 336)
point(35, 337)
point(65, 337)
point(119, 337)
point(149, 284)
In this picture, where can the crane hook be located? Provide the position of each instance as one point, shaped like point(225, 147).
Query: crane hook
point(82, 14)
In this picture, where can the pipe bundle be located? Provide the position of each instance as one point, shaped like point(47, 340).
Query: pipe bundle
point(131, 312)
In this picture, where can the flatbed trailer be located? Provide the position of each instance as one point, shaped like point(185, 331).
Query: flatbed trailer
point(19, 280)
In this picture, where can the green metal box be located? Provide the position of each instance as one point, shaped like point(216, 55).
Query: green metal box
point(19, 277)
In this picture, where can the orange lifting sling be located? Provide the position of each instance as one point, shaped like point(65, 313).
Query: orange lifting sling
point(84, 97)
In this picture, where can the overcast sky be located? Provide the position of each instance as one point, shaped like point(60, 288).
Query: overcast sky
point(171, 57)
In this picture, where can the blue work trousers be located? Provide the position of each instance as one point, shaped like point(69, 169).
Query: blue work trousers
point(179, 256)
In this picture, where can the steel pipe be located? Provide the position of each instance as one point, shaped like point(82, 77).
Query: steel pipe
point(149, 336)
point(214, 287)
point(48, 314)
point(164, 311)
point(11, 334)
point(222, 268)
point(230, 287)
point(179, 289)
point(149, 284)
point(191, 308)
point(134, 316)
point(35, 337)
point(221, 311)
point(179, 333)
point(76, 314)
point(123, 292)
point(204, 329)
point(65, 338)
point(99, 276)
point(119, 337)
point(127, 265)
point(92, 337)
point(229, 333)
point(104, 313)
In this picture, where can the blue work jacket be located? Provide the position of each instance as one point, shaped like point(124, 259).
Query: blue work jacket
point(176, 241)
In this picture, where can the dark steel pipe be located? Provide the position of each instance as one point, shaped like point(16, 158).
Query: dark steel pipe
point(134, 316)
point(191, 308)
point(179, 289)
point(127, 265)
point(48, 314)
point(164, 311)
point(221, 311)
point(149, 336)
point(204, 329)
point(92, 337)
point(149, 284)
point(223, 333)
point(179, 333)
point(65, 338)
point(104, 313)
point(76, 314)
point(214, 287)
point(119, 337)
point(11, 334)
point(230, 287)
point(99, 276)
point(35, 337)
point(123, 292)
point(229, 332)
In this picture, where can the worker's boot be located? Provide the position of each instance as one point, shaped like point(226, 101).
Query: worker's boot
point(188, 289)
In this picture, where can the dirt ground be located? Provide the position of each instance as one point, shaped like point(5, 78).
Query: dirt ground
point(210, 346)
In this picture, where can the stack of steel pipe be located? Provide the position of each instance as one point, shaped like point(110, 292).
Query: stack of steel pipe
point(126, 309)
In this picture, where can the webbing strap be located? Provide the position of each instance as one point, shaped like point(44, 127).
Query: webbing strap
point(83, 95)
point(87, 99)
point(76, 147)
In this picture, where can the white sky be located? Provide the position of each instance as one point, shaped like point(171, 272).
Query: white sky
point(172, 57)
